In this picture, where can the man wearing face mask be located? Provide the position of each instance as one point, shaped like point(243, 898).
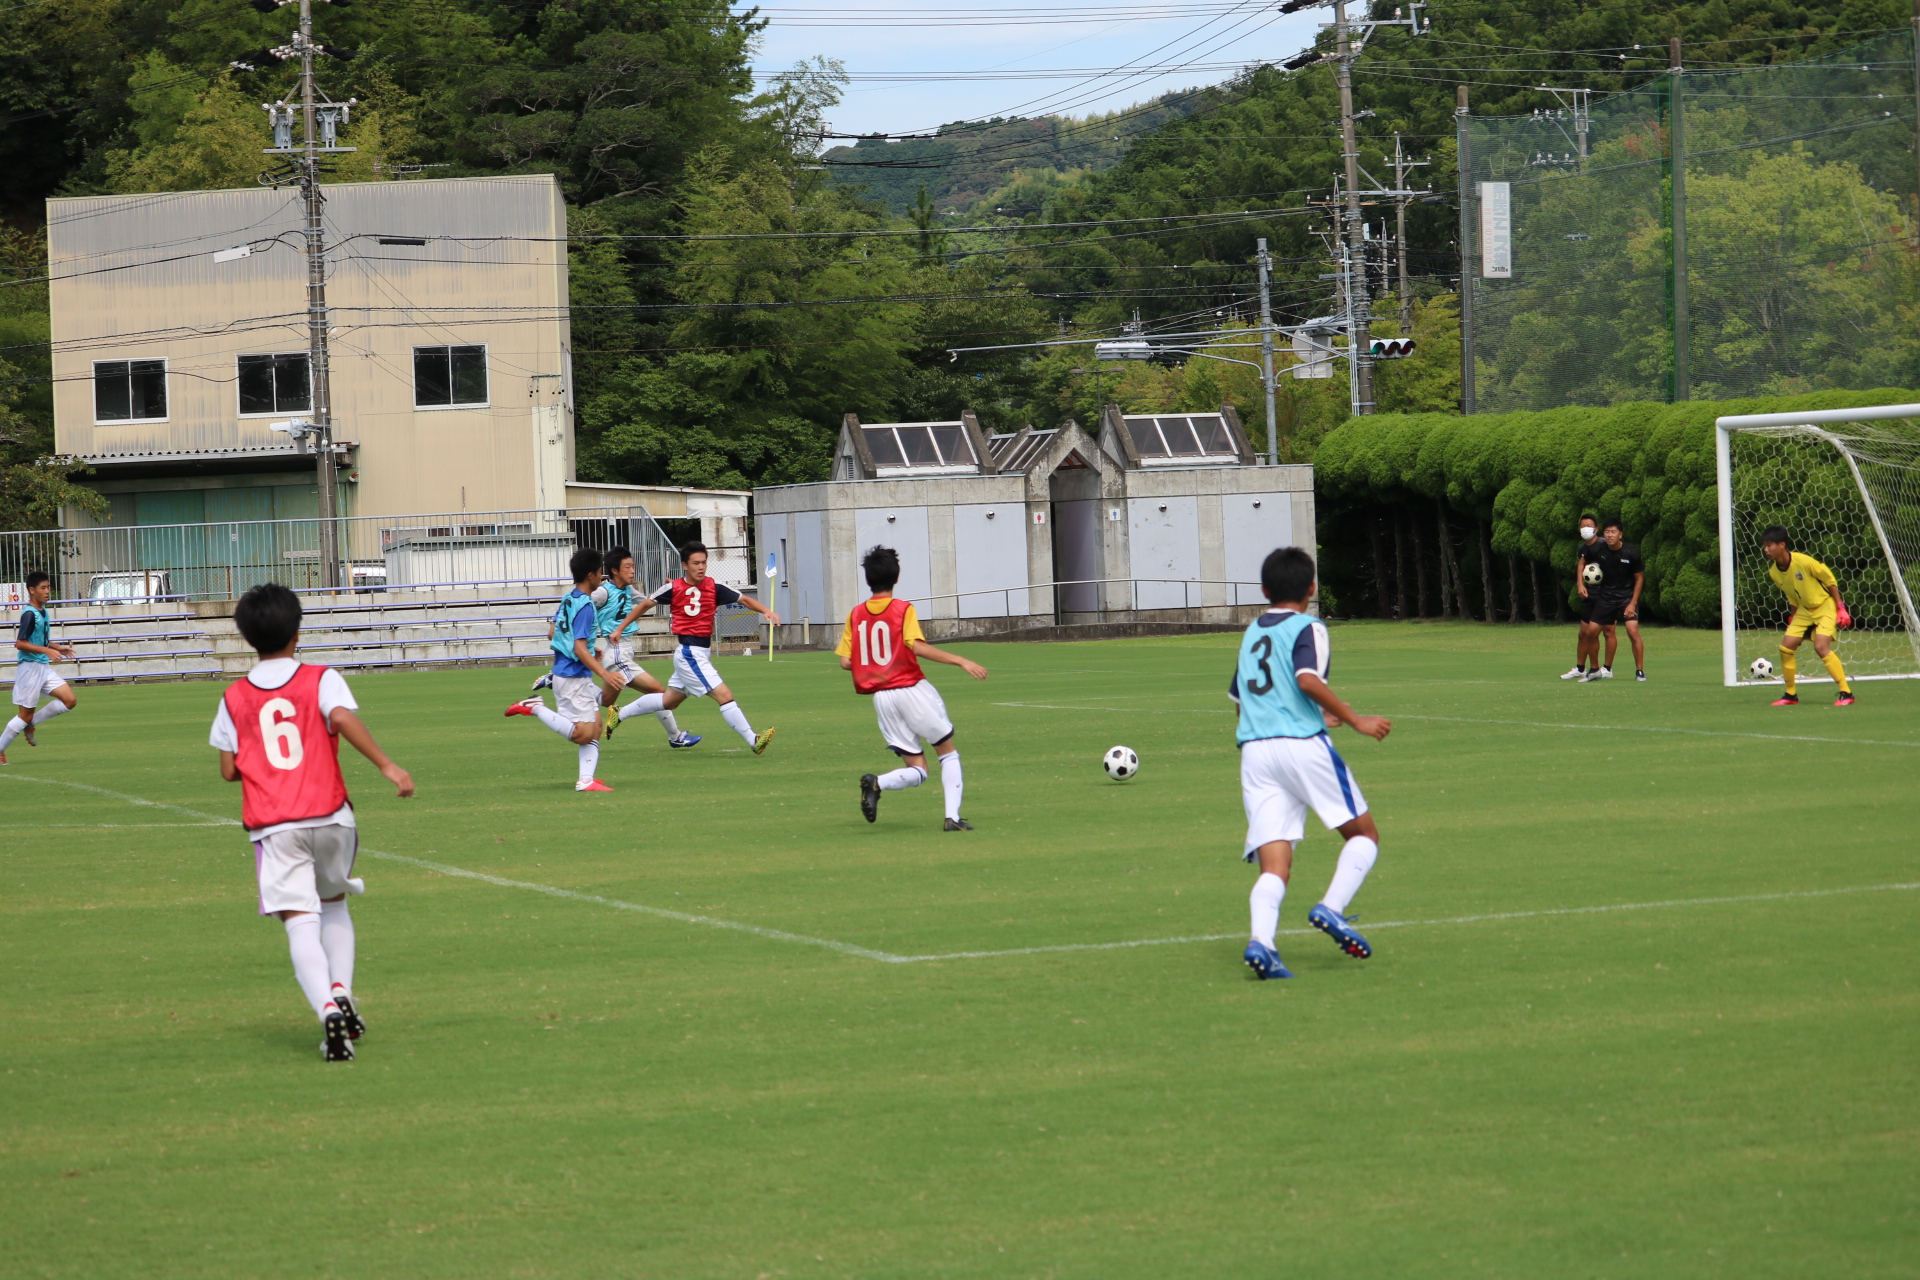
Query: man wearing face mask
point(1586, 652)
point(1616, 598)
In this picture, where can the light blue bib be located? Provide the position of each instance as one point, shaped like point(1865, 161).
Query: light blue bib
point(619, 602)
point(1271, 704)
point(570, 606)
point(42, 633)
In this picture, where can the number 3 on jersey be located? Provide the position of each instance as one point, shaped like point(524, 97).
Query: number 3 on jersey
point(281, 738)
point(880, 652)
point(692, 606)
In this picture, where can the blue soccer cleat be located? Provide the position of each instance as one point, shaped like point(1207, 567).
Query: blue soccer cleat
point(1265, 962)
point(544, 682)
point(1335, 926)
point(684, 739)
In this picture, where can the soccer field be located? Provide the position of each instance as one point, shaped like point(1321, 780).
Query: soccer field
point(1643, 998)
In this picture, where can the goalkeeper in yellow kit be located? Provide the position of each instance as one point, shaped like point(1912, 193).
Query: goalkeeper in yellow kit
point(1818, 611)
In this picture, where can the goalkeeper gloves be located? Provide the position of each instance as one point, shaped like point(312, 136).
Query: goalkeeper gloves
point(1845, 619)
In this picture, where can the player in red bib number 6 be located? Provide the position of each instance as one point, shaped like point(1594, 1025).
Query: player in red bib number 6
point(882, 646)
point(276, 732)
point(692, 600)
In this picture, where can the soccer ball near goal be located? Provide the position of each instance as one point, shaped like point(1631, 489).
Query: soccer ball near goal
point(1761, 669)
point(1592, 575)
point(1121, 763)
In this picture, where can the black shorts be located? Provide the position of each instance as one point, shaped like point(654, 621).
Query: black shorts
point(1606, 610)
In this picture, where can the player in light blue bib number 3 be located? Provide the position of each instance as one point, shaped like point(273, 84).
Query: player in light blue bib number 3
point(1288, 764)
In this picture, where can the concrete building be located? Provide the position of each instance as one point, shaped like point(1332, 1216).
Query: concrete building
point(1161, 514)
point(179, 334)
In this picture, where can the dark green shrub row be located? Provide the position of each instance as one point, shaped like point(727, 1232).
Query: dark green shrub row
point(1530, 475)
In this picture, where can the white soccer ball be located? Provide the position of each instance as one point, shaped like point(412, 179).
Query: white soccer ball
point(1121, 763)
point(1761, 669)
point(1593, 575)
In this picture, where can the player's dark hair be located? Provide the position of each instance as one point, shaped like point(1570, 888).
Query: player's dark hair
point(882, 567)
point(268, 616)
point(37, 577)
point(1772, 533)
point(692, 549)
point(1612, 522)
point(1588, 515)
point(614, 557)
point(1287, 574)
point(584, 562)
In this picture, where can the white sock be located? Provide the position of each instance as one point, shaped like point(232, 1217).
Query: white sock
point(15, 727)
point(336, 935)
point(902, 778)
point(553, 720)
point(1268, 892)
point(737, 720)
point(1356, 859)
point(589, 760)
point(667, 722)
point(310, 961)
point(951, 783)
point(646, 703)
point(49, 711)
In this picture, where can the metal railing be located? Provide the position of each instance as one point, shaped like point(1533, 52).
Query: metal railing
point(1092, 600)
point(219, 561)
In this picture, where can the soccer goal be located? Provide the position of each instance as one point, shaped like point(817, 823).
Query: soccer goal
point(1846, 484)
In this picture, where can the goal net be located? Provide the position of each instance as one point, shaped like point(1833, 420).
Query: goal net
point(1846, 485)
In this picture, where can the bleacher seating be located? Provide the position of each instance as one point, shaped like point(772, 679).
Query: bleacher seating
point(170, 641)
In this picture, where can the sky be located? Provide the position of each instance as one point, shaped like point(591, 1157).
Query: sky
point(1069, 57)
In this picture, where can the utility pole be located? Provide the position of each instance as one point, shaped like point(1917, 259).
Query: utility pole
point(1401, 195)
point(1677, 174)
point(1468, 215)
point(320, 123)
point(1266, 352)
point(1353, 228)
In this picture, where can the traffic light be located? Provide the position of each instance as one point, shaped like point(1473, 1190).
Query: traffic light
point(1390, 348)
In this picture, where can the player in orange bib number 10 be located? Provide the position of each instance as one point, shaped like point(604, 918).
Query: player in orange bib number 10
point(882, 645)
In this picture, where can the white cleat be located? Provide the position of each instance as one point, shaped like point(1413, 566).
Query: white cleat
point(1575, 674)
point(1606, 673)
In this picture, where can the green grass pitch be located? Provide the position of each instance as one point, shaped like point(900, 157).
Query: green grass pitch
point(1717, 1079)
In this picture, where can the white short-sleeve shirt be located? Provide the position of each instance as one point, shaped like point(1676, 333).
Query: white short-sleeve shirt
point(272, 674)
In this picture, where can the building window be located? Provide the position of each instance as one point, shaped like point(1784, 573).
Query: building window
point(449, 376)
point(274, 384)
point(130, 391)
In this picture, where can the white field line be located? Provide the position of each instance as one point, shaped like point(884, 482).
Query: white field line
point(887, 957)
point(1527, 724)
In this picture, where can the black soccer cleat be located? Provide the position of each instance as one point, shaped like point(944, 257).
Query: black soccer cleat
point(338, 1046)
point(957, 824)
point(869, 796)
point(356, 1025)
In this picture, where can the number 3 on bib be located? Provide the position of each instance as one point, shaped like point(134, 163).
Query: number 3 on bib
point(881, 651)
point(281, 738)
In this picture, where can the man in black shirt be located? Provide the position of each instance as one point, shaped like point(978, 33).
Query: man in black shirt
point(1615, 596)
point(1586, 649)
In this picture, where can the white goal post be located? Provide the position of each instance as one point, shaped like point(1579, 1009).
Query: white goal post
point(1846, 485)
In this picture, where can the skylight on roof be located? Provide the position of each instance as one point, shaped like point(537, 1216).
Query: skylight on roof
point(919, 446)
point(1171, 439)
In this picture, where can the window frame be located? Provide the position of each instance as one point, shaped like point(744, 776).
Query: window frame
point(272, 413)
point(166, 391)
point(486, 368)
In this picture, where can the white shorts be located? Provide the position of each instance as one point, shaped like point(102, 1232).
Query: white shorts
point(693, 672)
point(298, 868)
point(910, 714)
point(619, 657)
point(33, 681)
point(577, 698)
point(1281, 778)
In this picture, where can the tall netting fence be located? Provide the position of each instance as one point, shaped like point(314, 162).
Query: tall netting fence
point(1797, 213)
point(1850, 497)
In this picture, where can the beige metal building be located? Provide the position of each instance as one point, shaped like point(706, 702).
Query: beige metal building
point(179, 334)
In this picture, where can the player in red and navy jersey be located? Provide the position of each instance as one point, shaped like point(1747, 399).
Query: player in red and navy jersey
point(692, 600)
point(276, 732)
point(882, 645)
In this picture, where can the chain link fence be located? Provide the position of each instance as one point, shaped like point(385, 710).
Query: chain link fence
point(1715, 234)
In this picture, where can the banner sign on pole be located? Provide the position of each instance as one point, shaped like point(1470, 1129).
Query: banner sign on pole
point(1496, 231)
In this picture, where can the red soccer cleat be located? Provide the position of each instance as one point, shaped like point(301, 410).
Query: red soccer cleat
point(595, 785)
point(1787, 700)
point(1844, 700)
point(524, 707)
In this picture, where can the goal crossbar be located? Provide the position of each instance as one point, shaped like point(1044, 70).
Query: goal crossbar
point(1806, 424)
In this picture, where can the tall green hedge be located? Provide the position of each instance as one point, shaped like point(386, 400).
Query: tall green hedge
point(1530, 475)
